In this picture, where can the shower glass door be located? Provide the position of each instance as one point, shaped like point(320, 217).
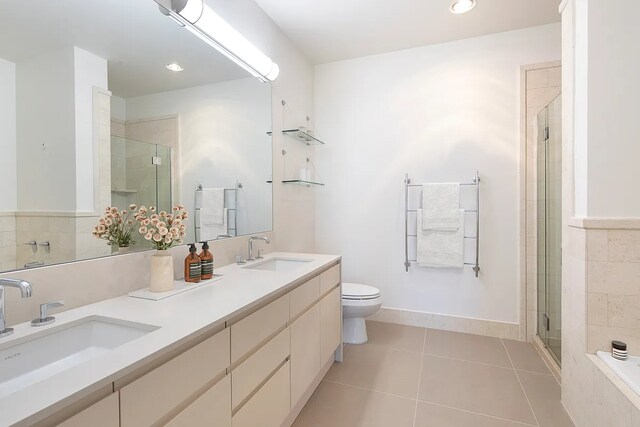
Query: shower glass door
point(549, 225)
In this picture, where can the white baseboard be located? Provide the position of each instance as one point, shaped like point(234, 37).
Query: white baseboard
point(448, 323)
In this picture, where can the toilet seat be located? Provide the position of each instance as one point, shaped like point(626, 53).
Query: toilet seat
point(359, 292)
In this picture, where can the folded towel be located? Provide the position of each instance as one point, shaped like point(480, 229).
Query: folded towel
point(212, 209)
point(438, 248)
point(440, 206)
point(212, 231)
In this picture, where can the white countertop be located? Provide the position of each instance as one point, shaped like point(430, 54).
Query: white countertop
point(180, 318)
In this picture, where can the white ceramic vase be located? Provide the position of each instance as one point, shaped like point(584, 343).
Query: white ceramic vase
point(161, 279)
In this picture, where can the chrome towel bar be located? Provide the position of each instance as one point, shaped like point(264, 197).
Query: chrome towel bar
point(476, 211)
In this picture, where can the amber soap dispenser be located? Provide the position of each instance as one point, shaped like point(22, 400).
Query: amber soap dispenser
point(206, 260)
point(192, 266)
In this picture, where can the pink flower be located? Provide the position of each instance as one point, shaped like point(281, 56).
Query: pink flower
point(142, 230)
point(157, 238)
point(148, 236)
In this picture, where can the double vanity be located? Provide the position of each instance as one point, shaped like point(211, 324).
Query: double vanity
point(246, 350)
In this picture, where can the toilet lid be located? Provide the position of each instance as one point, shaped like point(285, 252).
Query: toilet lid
point(358, 291)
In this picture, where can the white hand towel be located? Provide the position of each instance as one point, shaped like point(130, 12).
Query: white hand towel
point(212, 231)
point(212, 209)
point(441, 248)
point(440, 206)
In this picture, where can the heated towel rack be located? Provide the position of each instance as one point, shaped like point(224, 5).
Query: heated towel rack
point(231, 231)
point(407, 186)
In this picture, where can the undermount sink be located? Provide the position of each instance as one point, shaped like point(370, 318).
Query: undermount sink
point(279, 264)
point(47, 353)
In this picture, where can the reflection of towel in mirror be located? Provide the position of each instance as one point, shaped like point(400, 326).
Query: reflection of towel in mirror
point(441, 248)
point(212, 209)
point(440, 206)
point(212, 231)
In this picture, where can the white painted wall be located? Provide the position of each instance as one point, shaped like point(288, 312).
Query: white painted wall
point(613, 92)
point(8, 167)
point(222, 139)
point(89, 71)
point(46, 132)
point(438, 112)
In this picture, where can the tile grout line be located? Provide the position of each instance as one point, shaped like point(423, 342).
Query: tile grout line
point(368, 389)
point(520, 382)
point(479, 413)
point(426, 401)
point(424, 352)
point(424, 343)
point(510, 368)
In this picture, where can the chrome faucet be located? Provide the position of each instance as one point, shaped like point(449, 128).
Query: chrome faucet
point(251, 239)
point(25, 292)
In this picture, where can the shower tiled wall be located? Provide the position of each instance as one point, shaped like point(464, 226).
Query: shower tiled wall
point(7, 241)
point(613, 283)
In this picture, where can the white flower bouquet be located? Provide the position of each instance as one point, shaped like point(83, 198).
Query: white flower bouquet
point(162, 229)
point(117, 226)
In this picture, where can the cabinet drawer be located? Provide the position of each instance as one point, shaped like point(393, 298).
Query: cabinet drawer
point(303, 296)
point(105, 413)
point(305, 352)
point(213, 408)
point(331, 324)
point(250, 374)
point(255, 328)
point(329, 279)
point(153, 396)
point(269, 407)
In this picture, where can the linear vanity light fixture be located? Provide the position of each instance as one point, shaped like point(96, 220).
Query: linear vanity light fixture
point(202, 21)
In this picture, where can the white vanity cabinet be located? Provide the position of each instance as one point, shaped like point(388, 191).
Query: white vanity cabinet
point(210, 409)
point(305, 342)
point(177, 383)
point(105, 413)
point(305, 352)
point(256, 369)
point(331, 320)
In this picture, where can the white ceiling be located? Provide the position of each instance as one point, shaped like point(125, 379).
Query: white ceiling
point(135, 38)
point(331, 30)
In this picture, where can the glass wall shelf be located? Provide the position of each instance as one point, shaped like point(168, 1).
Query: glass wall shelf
point(302, 182)
point(302, 136)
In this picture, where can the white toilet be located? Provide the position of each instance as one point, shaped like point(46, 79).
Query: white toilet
point(358, 302)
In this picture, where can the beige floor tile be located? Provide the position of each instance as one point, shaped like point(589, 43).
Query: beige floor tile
point(524, 356)
point(474, 387)
point(400, 337)
point(474, 348)
point(543, 392)
point(430, 415)
point(336, 405)
point(378, 368)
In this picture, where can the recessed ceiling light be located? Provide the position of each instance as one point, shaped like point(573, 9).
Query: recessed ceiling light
point(462, 6)
point(174, 67)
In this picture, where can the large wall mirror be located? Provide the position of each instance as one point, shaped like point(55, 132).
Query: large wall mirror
point(110, 103)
